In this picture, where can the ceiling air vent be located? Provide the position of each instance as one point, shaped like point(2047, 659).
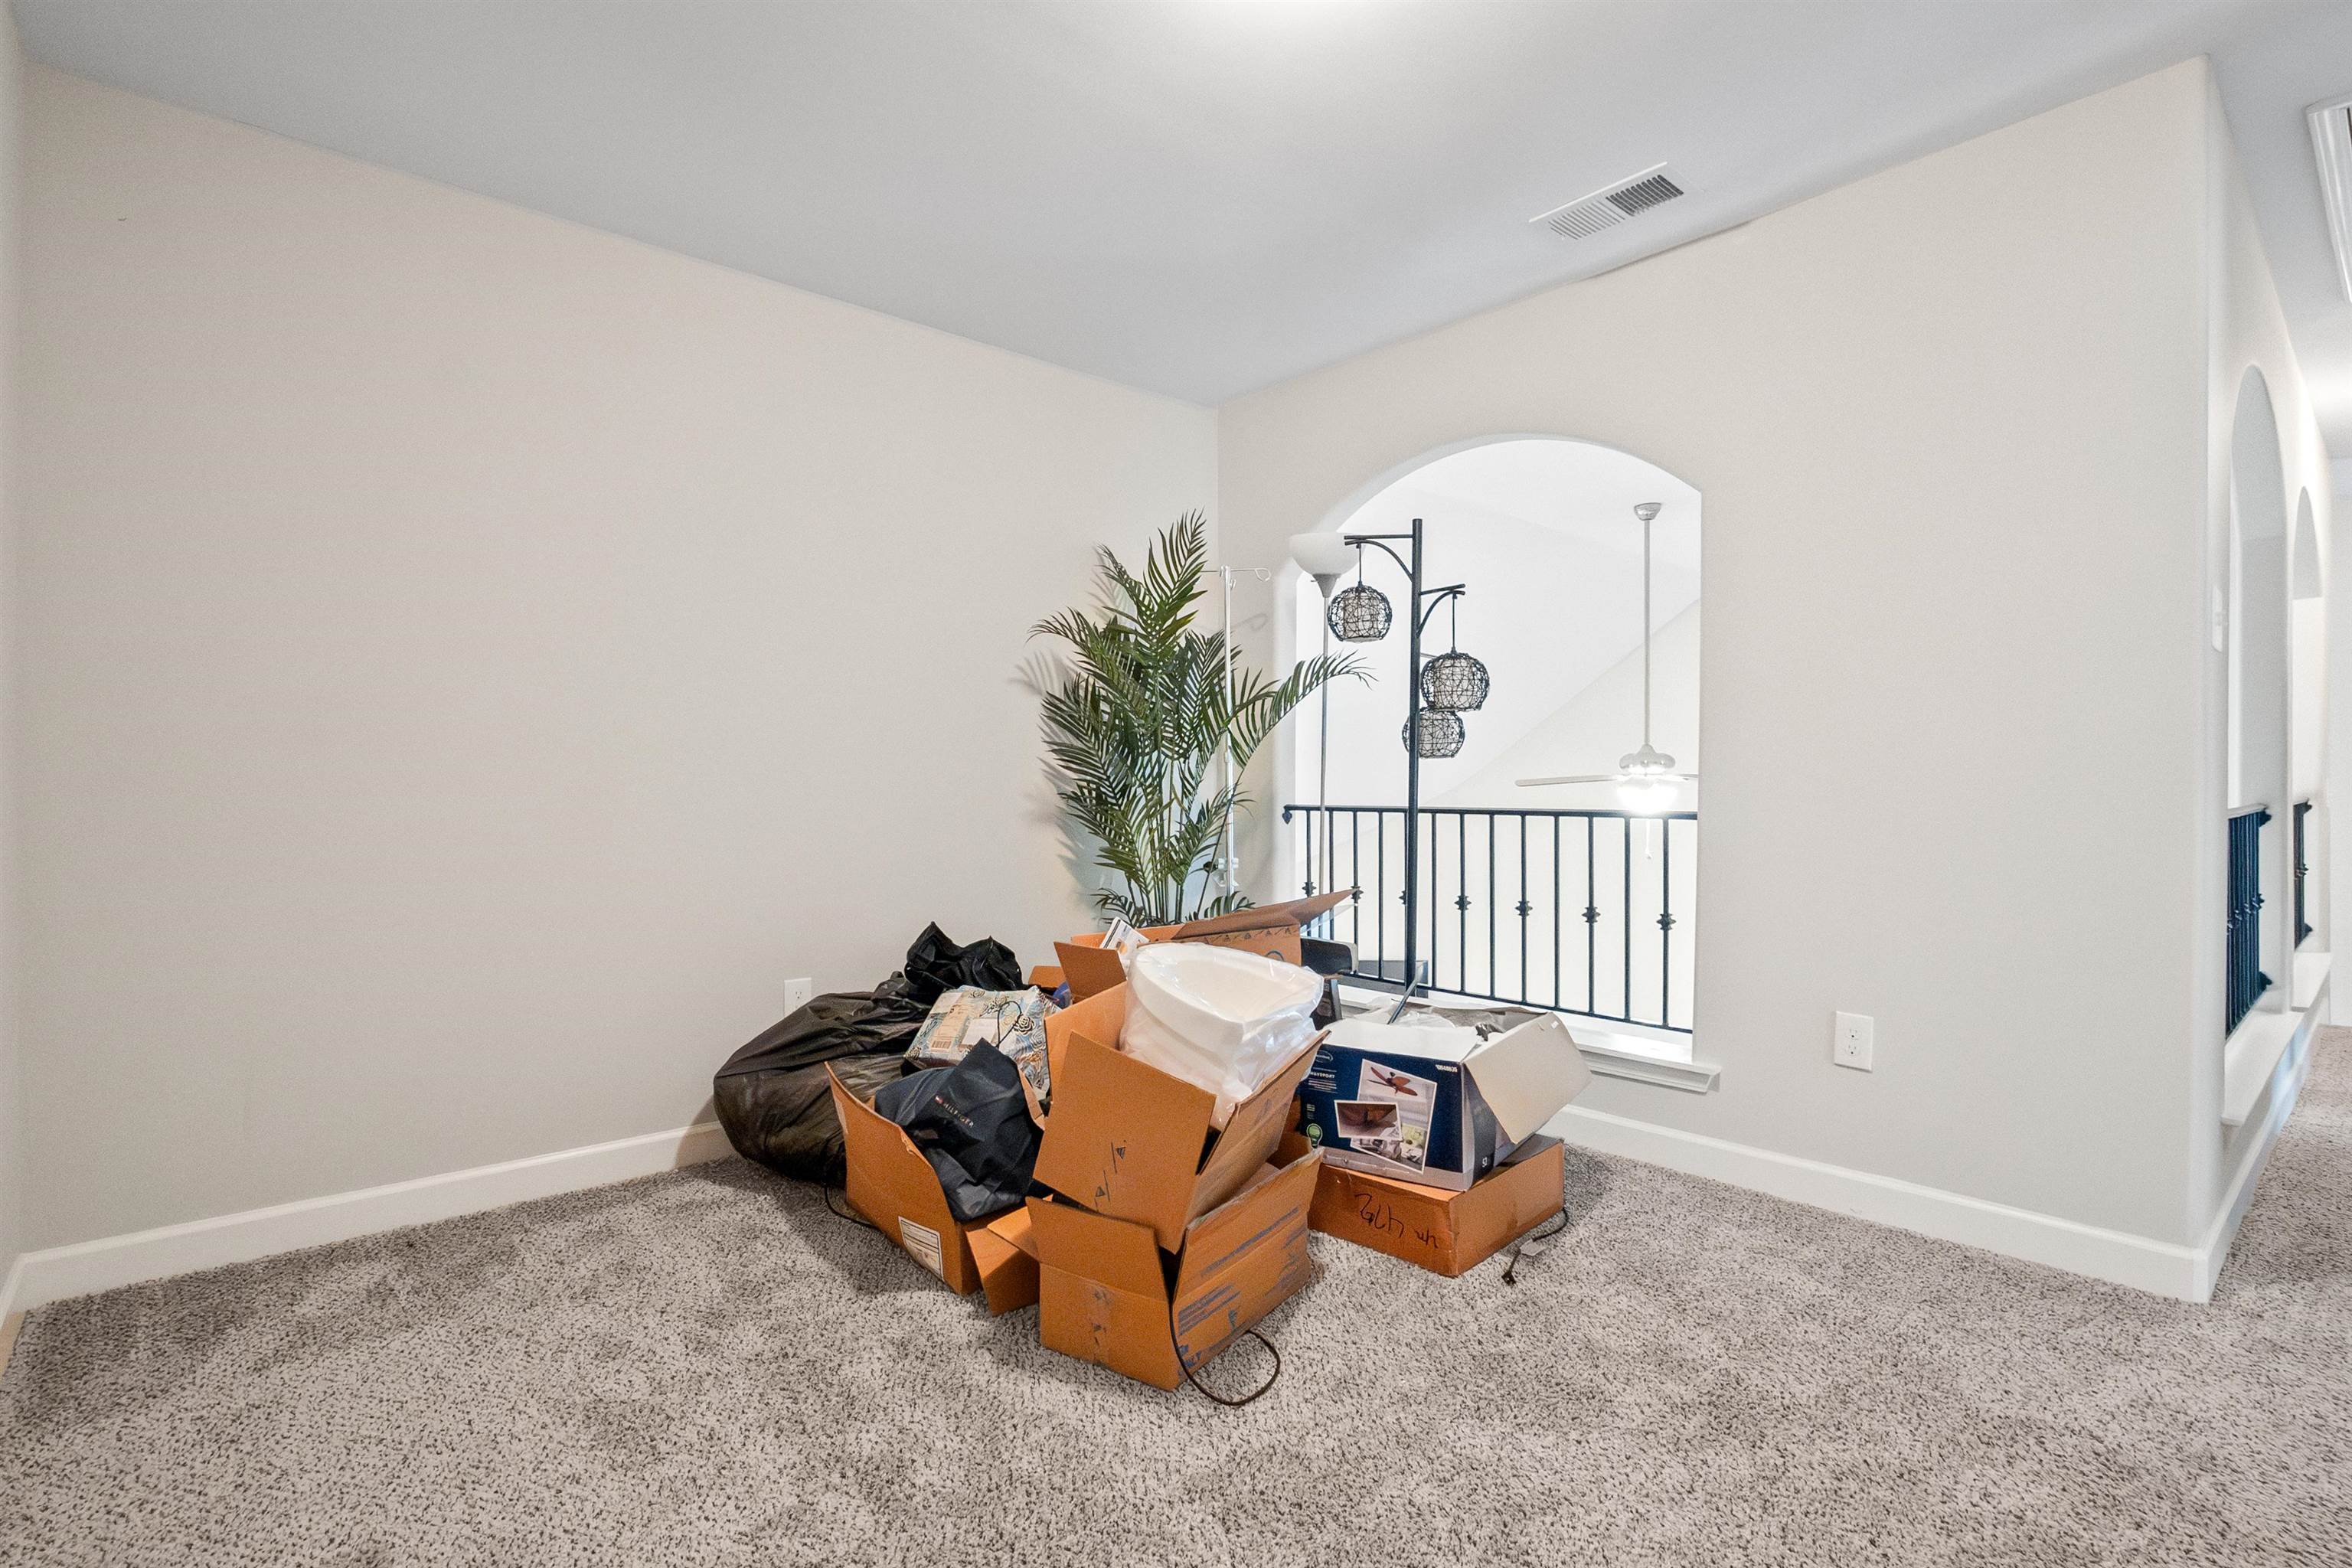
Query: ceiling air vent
point(1611, 205)
point(2331, 142)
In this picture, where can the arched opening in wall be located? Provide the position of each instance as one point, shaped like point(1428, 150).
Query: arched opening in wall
point(1578, 897)
point(2260, 942)
point(2307, 735)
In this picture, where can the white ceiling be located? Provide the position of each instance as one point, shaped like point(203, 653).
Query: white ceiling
point(1196, 198)
point(2270, 74)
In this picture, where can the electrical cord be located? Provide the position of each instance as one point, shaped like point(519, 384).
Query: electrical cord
point(1271, 1378)
point(1510, 1270)
point(850, 1214)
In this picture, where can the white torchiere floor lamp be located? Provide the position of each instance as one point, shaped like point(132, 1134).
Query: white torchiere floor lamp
point(1325, 557)
point(1225, 841)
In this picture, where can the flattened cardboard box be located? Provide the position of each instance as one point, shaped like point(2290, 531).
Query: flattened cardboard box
point(1132, 1142)
point(1447, 1233)
point(1435, 1106)
point(892, 1184)
point(1271, 930)
point(1108, 1293)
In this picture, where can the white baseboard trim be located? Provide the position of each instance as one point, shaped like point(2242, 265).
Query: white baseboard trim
point(41, 1277)
point(2164, 1269)
point(2275, 1104)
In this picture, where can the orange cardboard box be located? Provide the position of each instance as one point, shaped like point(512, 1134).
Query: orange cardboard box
point(894, 1186)
point(1272, 929)
point(1446, 1232)
point(1109, 1295)
point(1005, 1250)
point(1131, 1143)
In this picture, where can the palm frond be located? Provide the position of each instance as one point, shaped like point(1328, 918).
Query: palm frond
point(1140, 717)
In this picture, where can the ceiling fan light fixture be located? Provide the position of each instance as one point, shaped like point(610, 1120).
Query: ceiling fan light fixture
point(1647, 781)
point(1648, 794)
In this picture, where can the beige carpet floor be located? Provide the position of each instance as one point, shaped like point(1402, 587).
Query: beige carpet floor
point(709, 1368)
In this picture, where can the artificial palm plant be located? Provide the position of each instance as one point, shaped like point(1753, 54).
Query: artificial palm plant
point(1136, 721)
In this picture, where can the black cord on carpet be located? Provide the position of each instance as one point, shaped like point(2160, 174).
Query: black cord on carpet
point(850, 1214)
point(1511, 1268)
point(1271, 1378)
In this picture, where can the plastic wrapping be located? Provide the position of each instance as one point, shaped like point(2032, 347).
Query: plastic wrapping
point(936, 964)
point(1223, 1020)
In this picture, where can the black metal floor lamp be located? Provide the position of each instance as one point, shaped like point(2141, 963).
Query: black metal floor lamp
point(1436, 692)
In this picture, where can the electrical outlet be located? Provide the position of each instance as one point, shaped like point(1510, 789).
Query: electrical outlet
point(1849, 1041)
point(797, 994)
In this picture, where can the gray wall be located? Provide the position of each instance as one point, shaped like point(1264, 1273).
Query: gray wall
point(12, 1168)
point(1949, 423)
point(472, 661)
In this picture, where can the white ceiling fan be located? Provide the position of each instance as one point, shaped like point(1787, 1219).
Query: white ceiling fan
point(1646, 779)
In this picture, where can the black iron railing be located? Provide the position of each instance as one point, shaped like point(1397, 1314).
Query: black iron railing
point(2243, 980)
point(2301, 871)
point(1579, 912)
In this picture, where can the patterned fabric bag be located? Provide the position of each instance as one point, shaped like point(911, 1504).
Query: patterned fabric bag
point(1011, 1021)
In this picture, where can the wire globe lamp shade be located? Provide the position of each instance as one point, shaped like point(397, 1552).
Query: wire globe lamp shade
point(1454, 683)
point(1359, 614)
point(1441, 733)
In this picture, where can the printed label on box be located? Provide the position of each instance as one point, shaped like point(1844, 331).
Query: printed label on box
point(924, 1243)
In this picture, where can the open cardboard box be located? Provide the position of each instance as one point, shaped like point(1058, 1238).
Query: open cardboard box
point(1447, 1233)
point(1436, 1107)
point(1271, 930)
point(1108, 1294)
point(1129, 1142)
point(894, 1188)
point(1005, 1250)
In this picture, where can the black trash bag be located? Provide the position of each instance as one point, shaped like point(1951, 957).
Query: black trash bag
point(837, 1024)
point(772, 1096)
point(936, 965)
point(785, 1121)
point(971, 1123)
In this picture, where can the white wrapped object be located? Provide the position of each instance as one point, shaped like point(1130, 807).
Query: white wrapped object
point(1219, 1018)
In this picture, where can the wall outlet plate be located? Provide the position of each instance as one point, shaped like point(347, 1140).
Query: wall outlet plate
point(1851, 1040)
point(797, 994)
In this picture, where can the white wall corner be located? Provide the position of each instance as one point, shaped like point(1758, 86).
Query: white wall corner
point(12, 1286)
point(2254, 1141)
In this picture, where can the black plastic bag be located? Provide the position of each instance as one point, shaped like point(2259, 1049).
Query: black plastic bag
point(772, 1096)
point(837, 1024)
point(784, 1119)
point(971, 1123)
point(936, 965)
